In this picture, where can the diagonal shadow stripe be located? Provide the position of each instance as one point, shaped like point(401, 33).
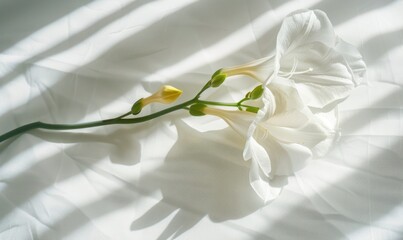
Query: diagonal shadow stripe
point(355, 121)
point(138, 39)
point(21, 189)
point(20, 18)
point(380, 45)
point(157, 179)
point(355, 180)
point(349, 8)
point(73, 40)
point(75, 219)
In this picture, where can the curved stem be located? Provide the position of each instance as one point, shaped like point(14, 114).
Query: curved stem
point(205, 87)
point(243, 100)
point(118, 120)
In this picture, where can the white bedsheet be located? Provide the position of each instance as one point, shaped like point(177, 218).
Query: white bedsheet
point(78, 61)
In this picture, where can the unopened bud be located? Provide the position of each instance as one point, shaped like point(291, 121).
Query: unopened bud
point(256, 92)
point(137, 106)
point(197, 109)
point(166, 94)
point(218, 80)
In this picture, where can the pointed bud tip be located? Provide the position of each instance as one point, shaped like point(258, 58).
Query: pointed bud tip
point(168, 94)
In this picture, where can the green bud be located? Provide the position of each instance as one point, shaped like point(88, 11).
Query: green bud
point(252, 109)
point(137, 106)
point(197, 109)
point(257, 92)
point(216, 73)
point(247, 95)
point(218, 80)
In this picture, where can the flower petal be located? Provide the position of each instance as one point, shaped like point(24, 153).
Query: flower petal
point(287, 158)
point(332, 76)
point(324, 67)
point(262, 185)
point(258, 154)
point(237, 120)
point(260, 69)
point(303, 27)
point(293, 121)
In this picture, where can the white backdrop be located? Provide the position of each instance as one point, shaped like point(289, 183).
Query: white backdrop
point(81, 60)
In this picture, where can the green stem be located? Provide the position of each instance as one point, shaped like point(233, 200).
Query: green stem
point(243, 100)
point(118, 120)
point(205, 87)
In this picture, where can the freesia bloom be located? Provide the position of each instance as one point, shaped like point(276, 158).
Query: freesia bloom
point(311, 71)
point(283, 142)
point(324, 67)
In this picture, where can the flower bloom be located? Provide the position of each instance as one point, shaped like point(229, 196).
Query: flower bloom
point(284, 141)
point(311, 71)
point(324, 67)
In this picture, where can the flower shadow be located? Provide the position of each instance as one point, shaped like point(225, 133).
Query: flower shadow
point(195, 182)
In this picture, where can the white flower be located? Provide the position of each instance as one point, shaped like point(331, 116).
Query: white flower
point(324, 67)
point(282, 142)
point(311, 71)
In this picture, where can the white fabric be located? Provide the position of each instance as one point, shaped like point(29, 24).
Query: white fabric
point(78, 61)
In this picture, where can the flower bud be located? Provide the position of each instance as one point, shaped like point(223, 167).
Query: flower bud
point(137, 106)
point(197, 109)
point(256, 92)
point(166, 94)
point(217, 80)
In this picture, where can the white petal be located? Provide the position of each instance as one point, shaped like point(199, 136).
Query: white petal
point(258, 154)
point(238, 120)
point(306, 40)
point(332, 76)
point(260, 69)
point(302, 27)
point(293, 121)
point(262, 185)
point(287, 158)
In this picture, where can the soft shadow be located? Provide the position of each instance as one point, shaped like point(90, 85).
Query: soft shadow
point(341, 202)
point(378, 46)
point(340, 205)
point(121, 146)
point(72, 40)
point(21, 18)
point(356, 121)
point(196, 182)
point(343, 10)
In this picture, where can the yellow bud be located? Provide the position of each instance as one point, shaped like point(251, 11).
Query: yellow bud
point(166, 94)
